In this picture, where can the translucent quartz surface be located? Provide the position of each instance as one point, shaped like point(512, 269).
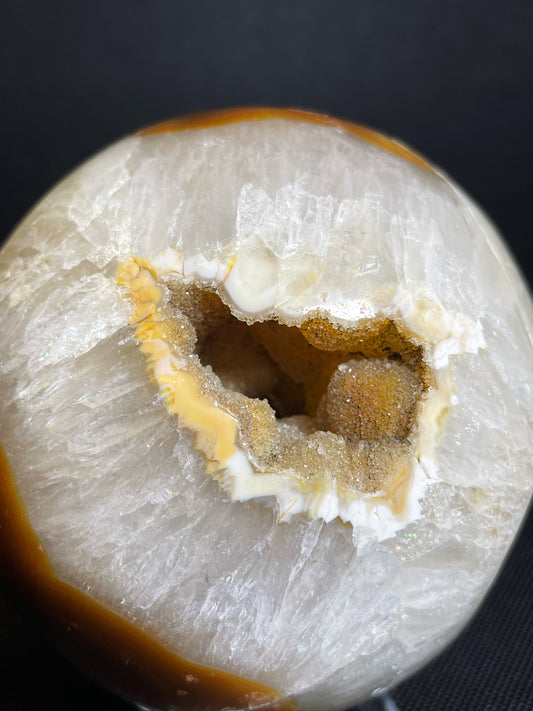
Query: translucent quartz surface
point(119, 496)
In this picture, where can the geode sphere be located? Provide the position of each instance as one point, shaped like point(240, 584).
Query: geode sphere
point(266, 412)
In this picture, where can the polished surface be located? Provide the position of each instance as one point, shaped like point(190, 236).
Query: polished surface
point(453, 81)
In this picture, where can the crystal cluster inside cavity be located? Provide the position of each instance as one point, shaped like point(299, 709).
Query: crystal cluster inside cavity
point(299, 411)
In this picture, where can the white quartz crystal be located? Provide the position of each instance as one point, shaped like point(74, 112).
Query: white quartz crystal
point(316, 221)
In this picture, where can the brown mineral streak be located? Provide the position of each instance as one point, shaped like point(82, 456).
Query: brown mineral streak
point(108, 647)
point(220, 117)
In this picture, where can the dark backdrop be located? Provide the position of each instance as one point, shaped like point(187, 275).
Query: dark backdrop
point(453, 78)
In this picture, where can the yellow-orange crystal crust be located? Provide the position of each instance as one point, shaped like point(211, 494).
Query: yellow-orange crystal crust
point(330, 421)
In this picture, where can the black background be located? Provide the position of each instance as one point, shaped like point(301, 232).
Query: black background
point(453, 79)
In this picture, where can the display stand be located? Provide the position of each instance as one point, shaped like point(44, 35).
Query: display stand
point(381, 702)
